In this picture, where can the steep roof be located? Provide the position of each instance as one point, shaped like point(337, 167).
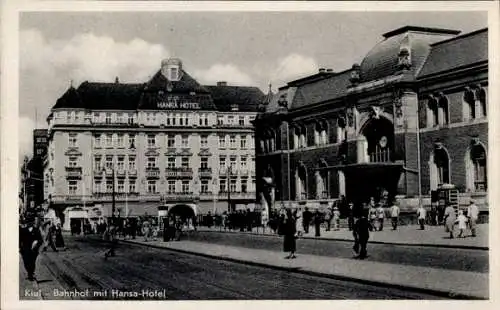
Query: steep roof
point(247, 98)
point(461, 51)
point(333, 87)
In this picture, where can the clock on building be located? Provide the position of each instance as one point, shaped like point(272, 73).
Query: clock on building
point(383, 142)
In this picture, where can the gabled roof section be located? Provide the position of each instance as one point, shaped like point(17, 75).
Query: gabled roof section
point(461, 51)
point(70, 99)
point(186, 84)
point(333, 87)
point(110, 96)
point(245, 98)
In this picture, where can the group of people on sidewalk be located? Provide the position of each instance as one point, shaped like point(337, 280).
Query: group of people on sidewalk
point(36, 236)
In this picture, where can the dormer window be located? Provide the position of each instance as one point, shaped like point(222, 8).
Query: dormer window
point(173, 74)
point(172, 69)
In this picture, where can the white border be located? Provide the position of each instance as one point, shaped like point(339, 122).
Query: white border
point(9, 139)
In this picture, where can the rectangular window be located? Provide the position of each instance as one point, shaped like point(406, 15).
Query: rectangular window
point(241, 121)
point(184, 141)
point(120, 140)
point(204, 163)
point(131, 186)
point(97, 141)
point(97, 186)
point(173, 120)
point(181, 121)
point(171, 186)
point(109, 186)
point(244, 185)
point(233, 185)
point(109, 161)
point(121, 186)
point(108, 118)
point(243, 143)
point(204, 141)
point(109, 140)
point(222, 161)
point(186, 120)
point(171, 141)
point(119, 119)
point(232, 141)
point(204, 186)
point(230, 120)
point(72, 162)
point(131, 141)
point(220, 120)
point(243, 162)
point(222, 142)
point(131, 162)
point(223, 186)
point(232, 162)
point(151, 162)
point(171, 162)
point(121, 163)
point(169, 119)
point(185, 162)
point(151, 141)
point(72, 187)
point(151, 186)
point(72, 140)
point(185, 186)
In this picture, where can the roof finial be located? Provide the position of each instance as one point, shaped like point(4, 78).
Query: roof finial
point(117, 80)
point(71, 83)
point(270, 87)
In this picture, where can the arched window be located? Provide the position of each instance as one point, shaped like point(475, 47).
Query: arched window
point(469, 104)
point(301, 182)
point(442, 162)
point(301, 132)
point(320, 133)
point(432, 112)
point(341, 124)
point(322, 185)
point(482, 102)
point(296, 137)
point(443, 110)
point(478, 161)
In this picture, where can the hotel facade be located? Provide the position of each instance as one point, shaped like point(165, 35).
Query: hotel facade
point(167, 141)
point(410, 119)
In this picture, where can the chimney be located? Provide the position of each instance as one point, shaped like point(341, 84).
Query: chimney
point(322, 70)
point(222, 83)
point(117, 81)
point(329, 70)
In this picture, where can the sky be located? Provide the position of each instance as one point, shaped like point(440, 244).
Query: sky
point(58, 49)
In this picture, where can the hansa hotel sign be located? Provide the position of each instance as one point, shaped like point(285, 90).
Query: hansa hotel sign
point(176, 103)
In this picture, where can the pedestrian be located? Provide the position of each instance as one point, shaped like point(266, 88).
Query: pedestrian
point(394, 215)
point(289, 235)
point(336, 218)
point(146, 230)
point(421, 214)
point(298, 222)
point(59, 237)
point(210, 220)
point(224, 220)
point(472, 214)
point(362, 231)
point(328, 218)
point(178, 227)
point(306, 219)
point(462, 224)
point(380, 217)
point(110, 237)
point(373, 215)
point(350, 216)
point(48, 233)
point(317, 223)
point(449, 218)
point(30, 241)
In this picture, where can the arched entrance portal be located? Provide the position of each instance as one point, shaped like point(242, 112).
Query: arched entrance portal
point(185, 211)
point(379, 134)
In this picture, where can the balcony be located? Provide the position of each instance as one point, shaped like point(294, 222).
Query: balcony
point(132, 173)
point(121, 173)
point(98, 172)
point(153, 173)
point(205, 172)
point(179, 172)
point(381, 156)
point(237, 195)
point(225, 170)
point(73, 172)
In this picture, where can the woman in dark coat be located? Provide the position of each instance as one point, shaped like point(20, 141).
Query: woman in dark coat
point(59, 237)
point(289, 244)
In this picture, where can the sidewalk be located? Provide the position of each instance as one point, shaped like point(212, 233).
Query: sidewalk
point(44, 285)
point(405, 235)
point(453, 284)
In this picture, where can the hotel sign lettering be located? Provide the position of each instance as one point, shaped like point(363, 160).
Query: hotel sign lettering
point(175, 103)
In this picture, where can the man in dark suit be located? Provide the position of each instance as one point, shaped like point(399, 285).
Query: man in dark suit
point(30, 241)
point(306, 219)
point(361, 234)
